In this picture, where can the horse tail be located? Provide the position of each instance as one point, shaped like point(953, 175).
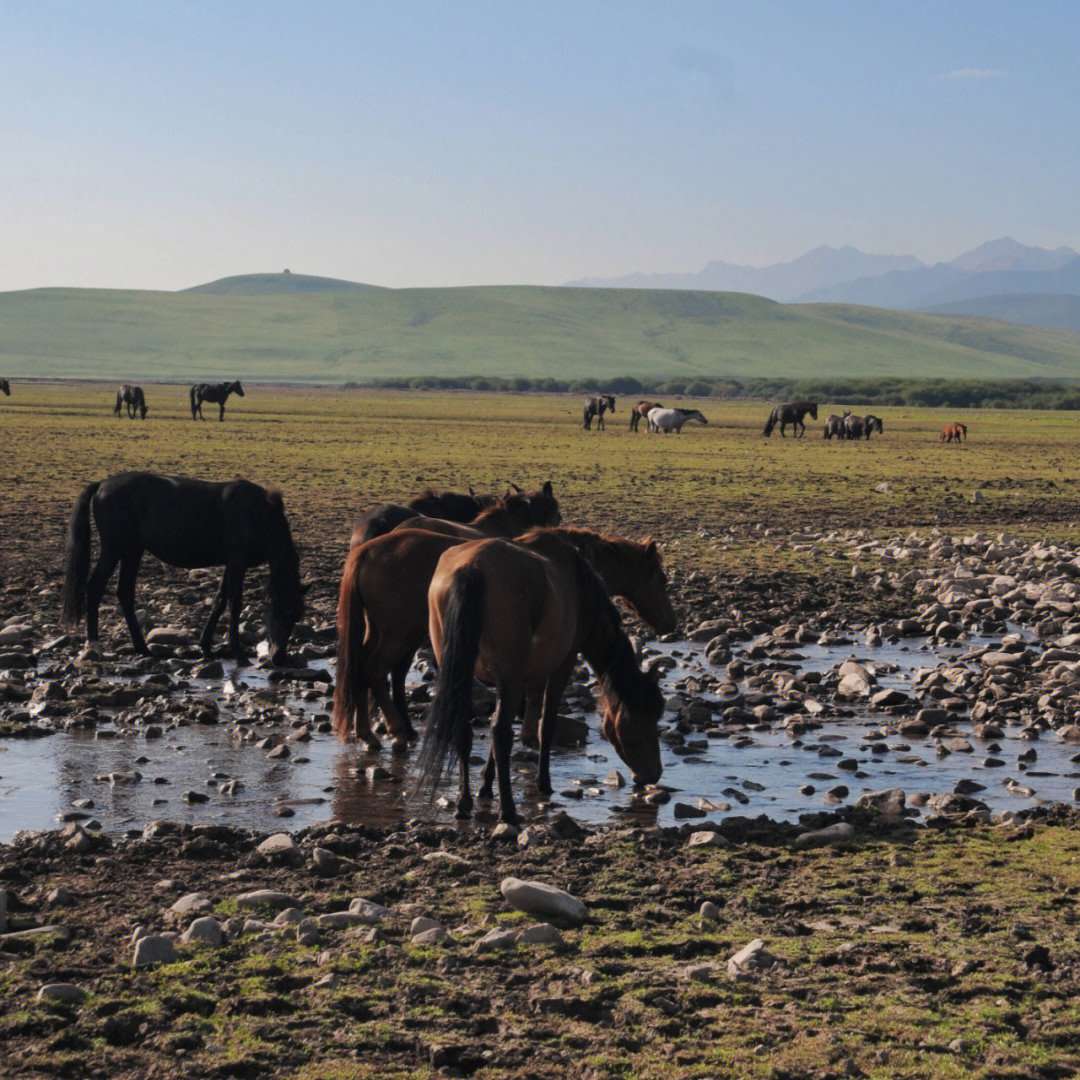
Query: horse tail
point(769, 424)
point(77, 560)
point(119, 398)
point(350, 690)
point(586, 417)
point(191, 395)
point(448, 737)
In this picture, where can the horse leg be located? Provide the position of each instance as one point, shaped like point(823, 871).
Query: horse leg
point(95, 590)
point(553, 694)
point(235, 574)
point(394, 721)
point(125, 593)
point(206, 640)
point(401, 703)
point(502, 738)
point(221, 410)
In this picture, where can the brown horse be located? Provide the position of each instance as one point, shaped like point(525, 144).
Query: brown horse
point(518, 620)
point(383, 616)
point(539, 507)
point(953, 433)
point(640, 411)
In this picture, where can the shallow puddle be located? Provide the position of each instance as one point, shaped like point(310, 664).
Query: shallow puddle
point(752, 769)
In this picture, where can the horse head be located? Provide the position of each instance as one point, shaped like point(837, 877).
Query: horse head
point(651, 600)
point(238, 389)
point(812, 409)
point(543, 507)
point(632, 731)
point(285, 609)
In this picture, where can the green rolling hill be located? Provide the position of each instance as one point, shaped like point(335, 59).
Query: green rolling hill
point(292, 328)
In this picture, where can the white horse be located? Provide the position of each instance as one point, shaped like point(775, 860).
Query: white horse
point(666, 420)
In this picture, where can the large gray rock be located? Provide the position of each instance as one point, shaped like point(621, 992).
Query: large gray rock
point(889, 802)
point(206, 930)
point(266, 898)
point(194, 903)
point(750, 959)
point(170, 635)
point(369, 911)
point(67, 993)
point(537, 898)
point(831, 834)
point(153, 949)
point(280, 848)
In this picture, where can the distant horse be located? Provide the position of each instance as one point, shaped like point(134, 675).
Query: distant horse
point(861, 427)
point(216, 392)
point(383, 614)
point(953, 433)
point(641, 409)
point(791, 412)
point(519, 619)
point(597, 406)
point(834, 425)
point(5, 388)
point(539, 507)
point(133, 398)
point(189, 523)
point(668, 420)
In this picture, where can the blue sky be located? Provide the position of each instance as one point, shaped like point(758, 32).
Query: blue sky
point(158, 145)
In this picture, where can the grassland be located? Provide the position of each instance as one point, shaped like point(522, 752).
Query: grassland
point(363, 334)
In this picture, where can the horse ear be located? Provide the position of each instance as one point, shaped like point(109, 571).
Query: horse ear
point(650, 547)
point(305, 587)
point(547, 488)
point(471, 492)
point(515, 487)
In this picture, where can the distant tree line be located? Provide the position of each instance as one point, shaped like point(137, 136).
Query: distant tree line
point(946, 393)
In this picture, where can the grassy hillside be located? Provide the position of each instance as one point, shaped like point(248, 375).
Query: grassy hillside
point(1035, 309)
point(249, 328)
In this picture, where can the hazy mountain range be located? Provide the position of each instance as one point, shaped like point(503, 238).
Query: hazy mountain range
point(991, 274)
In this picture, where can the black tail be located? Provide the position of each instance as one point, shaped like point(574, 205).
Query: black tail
point(191, 395)
point(116, 411)
point(77, 566)
point(350, 690)
point(769, 425)
point(448, 737)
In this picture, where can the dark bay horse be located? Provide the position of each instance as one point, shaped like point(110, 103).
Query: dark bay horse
point(640, 411)
point(861, 427)
point(383, 613)
point(215, 392)
point(133, 398)
point(953, 433)
point(792, 412)
point(597, 406)
point(519, 620)
point(5, 388)
point(539, 507)
point(834, 425)
point(188, 523)
point(452, 505)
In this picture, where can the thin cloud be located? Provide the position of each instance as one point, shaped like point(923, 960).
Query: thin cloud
point(966, 74)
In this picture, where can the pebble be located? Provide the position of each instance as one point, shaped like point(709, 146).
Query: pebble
point(749, 959)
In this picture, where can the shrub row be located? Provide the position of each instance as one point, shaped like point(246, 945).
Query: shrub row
point(945, 393)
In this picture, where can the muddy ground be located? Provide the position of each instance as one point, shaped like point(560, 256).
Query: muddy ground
point(892, 950)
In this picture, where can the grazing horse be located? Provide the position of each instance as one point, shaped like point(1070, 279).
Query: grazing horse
point(953, 433)
point(642, 409)
point(5, 388)
point(597, 406)
point(539, 507)
point(861, 427)
point(133, 398)
point(519, 619)
point(791, 412)
point(834, 425)
point(217, 392)
point(383, 614)
point(668, 420)
point(189, 523)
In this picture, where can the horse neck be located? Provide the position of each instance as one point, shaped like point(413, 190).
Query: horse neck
point(281, 554)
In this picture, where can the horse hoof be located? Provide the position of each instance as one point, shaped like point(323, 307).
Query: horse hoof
point(400, 746)
point(372, 744)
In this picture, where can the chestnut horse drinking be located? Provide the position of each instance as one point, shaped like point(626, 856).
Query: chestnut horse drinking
point(519, 619)
point(953, 433)
point(383, 614)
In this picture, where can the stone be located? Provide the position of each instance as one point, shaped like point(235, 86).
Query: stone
point(699, 973)
point(206, 930)
point(280, 848)
point(497, 939)
point(538, 898)
point(153, 949)
point(435, 936)
point(831, 834)
point(889, 802)
point(750, 959)
point(66, 993)
point(707, 838)
point(266, 898)
point(541, 934)
point(173, 636)
point(368, 911)
point(339, 920)
point(325, 862)
point(195, 903)
point(709, 912)
point(420, 924)
point(307, 932)
point(291, 916)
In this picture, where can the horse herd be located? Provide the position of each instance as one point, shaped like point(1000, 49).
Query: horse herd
point(497, 585)
point(135, 400)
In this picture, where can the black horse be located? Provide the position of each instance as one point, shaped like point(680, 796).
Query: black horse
point(133, 398)
point(217, 392)
point(791, 412)
point(5, 388)
point(189, 523)
point(536, 508)
point(597, 406)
